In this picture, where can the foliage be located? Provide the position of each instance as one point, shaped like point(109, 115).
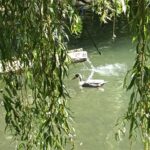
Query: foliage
point(109, 11)
point(138, 114)
point(34, 35)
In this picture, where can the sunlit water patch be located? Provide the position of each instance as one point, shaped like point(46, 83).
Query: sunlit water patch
point(116, 69)
point(111, 69)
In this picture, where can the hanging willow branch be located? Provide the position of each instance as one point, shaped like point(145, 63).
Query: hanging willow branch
point(138, 114)
point(35, 98)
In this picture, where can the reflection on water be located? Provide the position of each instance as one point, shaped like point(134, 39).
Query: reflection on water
point(116, 69)
point(92, 69)
point(109, 69)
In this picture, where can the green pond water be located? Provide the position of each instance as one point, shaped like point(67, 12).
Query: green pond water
point(96, 111)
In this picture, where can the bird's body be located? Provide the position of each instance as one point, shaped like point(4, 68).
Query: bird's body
point(90, 82)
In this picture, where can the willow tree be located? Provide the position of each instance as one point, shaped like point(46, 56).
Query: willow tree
point(34, 62)
point(138, 113)
point(137, 80)
point(34, 34)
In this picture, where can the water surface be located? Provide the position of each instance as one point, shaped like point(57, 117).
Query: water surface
point(96, 111)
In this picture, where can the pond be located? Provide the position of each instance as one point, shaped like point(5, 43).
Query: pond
point(96, 111)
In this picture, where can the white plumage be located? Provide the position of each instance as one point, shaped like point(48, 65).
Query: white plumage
point(95, 83)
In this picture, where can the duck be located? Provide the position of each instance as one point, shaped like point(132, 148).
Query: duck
point(92, 83)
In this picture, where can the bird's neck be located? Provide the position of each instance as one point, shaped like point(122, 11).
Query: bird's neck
point(80, 78)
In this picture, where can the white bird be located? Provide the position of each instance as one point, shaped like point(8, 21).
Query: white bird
point(93, 83)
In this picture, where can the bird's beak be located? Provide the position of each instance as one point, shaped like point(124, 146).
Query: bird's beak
point(74, 78)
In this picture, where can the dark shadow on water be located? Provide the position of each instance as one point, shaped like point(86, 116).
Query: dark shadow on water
point(97, 35)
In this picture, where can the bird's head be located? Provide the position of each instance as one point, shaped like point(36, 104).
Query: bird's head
point(77, 76)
